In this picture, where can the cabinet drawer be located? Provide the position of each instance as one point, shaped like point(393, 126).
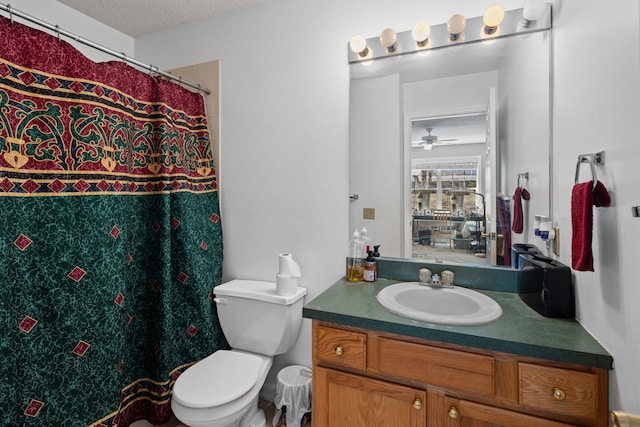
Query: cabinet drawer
point(558, 390)
point(451, 369)
point(461, 412)
point(341, 347)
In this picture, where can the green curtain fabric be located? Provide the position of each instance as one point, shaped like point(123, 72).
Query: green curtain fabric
point(110, 237)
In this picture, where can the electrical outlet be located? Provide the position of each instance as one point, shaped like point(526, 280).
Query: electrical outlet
point(368, 213)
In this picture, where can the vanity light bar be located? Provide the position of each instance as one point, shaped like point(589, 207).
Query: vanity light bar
point(474, 31)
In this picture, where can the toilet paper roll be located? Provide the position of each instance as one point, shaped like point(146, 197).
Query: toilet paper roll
point(286, 285)
point(287, 266)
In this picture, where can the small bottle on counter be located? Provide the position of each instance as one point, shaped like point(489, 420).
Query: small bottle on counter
point(370, 268)
point(376, 251)
point(355, 268)
point(366, 242)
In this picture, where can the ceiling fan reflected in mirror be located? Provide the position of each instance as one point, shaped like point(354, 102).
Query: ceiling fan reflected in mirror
point(428, 141)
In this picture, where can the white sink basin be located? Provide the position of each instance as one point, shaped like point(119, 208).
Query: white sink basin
point(448, 306)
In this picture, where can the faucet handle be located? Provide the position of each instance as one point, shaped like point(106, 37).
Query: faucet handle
point(447, 278)
point(425, 275)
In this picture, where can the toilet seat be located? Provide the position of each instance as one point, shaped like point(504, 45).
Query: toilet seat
point(220, 378)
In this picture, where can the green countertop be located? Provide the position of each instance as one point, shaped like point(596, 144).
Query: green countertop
point(520, 330)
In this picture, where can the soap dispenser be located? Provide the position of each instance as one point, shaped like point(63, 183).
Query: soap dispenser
point(376, 251)
point(366, 242)
point(355, 269)
point(370, 268)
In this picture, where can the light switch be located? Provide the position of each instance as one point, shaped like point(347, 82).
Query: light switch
point(368, 213)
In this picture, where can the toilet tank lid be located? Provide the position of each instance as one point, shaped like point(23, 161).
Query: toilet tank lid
point(258, 290)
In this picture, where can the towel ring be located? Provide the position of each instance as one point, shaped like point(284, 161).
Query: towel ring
point(592, 160)
point(582, 159)
point(524, 176)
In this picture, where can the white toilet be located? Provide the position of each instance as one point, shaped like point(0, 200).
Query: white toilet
point(222, 389)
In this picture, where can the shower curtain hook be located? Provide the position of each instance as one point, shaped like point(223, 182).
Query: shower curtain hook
point(58, 32)
point(10, 13)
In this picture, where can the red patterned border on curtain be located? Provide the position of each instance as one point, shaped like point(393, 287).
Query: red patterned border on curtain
point(166, 124)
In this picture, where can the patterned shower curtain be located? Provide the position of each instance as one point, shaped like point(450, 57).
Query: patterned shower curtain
point(110, 237)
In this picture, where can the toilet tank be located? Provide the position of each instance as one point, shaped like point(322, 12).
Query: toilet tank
point(255, 318)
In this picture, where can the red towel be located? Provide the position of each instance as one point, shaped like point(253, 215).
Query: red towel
point(517, 225)
point(583, 197)
point(518, 220)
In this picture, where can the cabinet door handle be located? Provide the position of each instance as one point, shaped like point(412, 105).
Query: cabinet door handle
point(453, 413)
point(417, 404)
point(338, 350)
point(559, 394)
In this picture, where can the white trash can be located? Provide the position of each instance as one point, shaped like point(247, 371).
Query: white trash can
point(293, 392)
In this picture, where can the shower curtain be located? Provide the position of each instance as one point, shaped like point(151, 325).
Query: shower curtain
point(110, 237)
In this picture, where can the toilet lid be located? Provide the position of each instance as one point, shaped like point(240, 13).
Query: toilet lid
point(220, 378)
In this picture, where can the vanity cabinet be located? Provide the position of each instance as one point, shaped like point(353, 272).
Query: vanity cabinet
point(365, 378)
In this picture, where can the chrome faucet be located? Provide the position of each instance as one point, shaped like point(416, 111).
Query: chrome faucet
point(428, 279)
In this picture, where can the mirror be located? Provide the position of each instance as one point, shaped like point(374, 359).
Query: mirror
point(448, 203)
point(388, 96)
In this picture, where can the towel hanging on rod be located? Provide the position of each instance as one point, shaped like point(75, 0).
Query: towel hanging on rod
point(583, 197)
point(593, 159)
point(519, 195)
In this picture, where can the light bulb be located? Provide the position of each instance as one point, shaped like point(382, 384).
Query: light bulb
point(358, 44)
point(388, 39)
point(532, 11)
point(455, 26)
point(492, 18)
point(420, 33)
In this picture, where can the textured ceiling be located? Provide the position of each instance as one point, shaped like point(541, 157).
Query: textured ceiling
point(140, 17)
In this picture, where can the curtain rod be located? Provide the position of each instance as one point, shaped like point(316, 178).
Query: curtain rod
point(59, 31)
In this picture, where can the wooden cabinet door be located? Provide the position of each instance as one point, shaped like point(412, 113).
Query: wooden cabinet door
point(463, 413)
point(342, 399)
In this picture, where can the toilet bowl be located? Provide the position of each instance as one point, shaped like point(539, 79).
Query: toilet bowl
point(219, 390)
point(222, 389)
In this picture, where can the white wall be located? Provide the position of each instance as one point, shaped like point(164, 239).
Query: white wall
point(597, 107)
point(375, 144)
point(284, 136)
point(284, 151)
point(524, 123)
point(73, 21)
